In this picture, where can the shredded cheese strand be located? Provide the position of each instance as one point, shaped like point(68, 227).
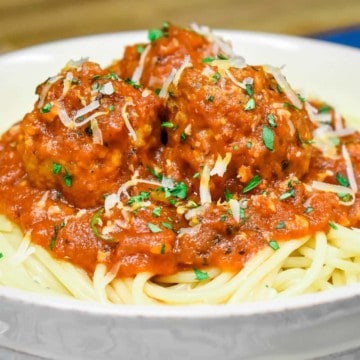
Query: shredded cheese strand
point(205, 195)
point(281, 80)
point(349, 169)
point(136, 76)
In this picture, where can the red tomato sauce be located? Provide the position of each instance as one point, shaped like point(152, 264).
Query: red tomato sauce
point(104, 170)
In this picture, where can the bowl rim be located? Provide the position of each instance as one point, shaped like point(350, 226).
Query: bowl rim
point(196, 311)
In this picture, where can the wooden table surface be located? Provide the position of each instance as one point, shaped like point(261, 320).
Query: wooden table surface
point(28, 22)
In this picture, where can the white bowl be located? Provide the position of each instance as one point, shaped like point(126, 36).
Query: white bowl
point(33, 326)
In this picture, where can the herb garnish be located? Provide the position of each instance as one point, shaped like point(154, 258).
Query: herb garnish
point(308, 210)
point(268, 138)
point(153, 228)
point(253, 183)
point(139, 198)
point(67, 179)
point(46, 108)
point(332, 225)
point(55, 234)
point(274, 245)
point(201, 275)
point(271, 120)
point(287, 194)
point(342, 180)
point(95, 220)
point(250, 105)
point(56, 168)
point(228, 195)
point(157, 211)
point(134, 84)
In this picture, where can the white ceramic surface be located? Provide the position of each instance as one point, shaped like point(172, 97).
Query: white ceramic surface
point(307, 327)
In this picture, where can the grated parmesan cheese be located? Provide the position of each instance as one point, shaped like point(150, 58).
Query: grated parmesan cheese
point(281, 80)
point(136, 76)
point(221, 165)
point(205, 195)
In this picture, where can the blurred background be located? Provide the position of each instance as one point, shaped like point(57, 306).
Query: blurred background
point(29, 22)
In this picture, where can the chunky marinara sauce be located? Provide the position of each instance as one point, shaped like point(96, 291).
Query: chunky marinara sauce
point(177, 156)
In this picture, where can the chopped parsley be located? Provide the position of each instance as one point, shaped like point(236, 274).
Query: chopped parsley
point(268, 137)
point(223, 217)
point(111, 107)
point(207, 60)
point(179, 190)
point(134, 84)
point(210, 98)
point(157, 211)
point(253, 183)
point(250, 105)
point(96, 220)
point(1, 255)
point(56, 168)
point(183, 136)
point(154, 173)
point(249, 89)
point(140, 49)
point(308, 210)
point(280, 225)
point(167, 124)
point(155, 34)
point(55, 234)
point(333, 225)
point(46, 108)
point(287, 194)
point(139, 198)
point(228, 195)
point(68, 180)
point(216, 77)
point(342, 180)
point(196, 175)
point(345, 197)
point(325, 108)
point(274, 245)
point(163, 249)
point(248, 145)
point(153, 228)
point(201, 275)
point(166, 225)
point(271, 120)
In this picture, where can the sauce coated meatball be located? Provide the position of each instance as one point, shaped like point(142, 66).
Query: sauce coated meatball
point(87, 133)
point(166, 51)
point(238, 115)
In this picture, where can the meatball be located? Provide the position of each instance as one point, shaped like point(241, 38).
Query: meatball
point(237, 117)
point(87, 133)
point(168, 48)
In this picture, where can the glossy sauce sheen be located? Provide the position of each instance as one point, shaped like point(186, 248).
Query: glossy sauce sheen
point(54, 178)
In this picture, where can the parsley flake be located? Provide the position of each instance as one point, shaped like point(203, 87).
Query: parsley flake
point(274, 245)
point(56, 168)
point(342, 180)
point(228, 195)
point(157, 211)
point(287, 194)
point(250, 105)
point(153, 228)
point(46, 108)
point(201, 275)
point(253, 183)
point(271, 120)
point(268, 138)
point(155, 34)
